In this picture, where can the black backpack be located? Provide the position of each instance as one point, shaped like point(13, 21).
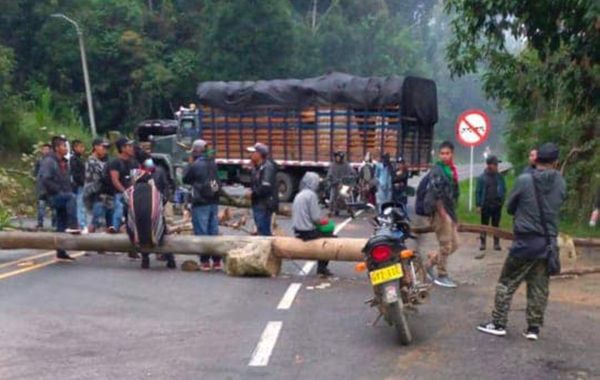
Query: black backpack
point(420, 203)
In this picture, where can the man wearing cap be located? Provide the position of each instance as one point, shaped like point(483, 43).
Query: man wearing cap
point(56, 181)
point(94, 193)
point(264, 193)
point(490, 193)
point(202, 176)
point(119, 170)
point(536, 197)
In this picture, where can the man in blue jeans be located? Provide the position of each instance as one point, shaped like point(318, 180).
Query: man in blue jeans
point(264, 194)
point(119, 170)
point(56, 182)
point(201, 175)
point(77, 168)
point(94, 191)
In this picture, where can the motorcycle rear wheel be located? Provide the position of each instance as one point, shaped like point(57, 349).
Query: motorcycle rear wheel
point(398, 319)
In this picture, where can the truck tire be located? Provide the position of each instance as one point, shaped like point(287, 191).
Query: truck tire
point(286, 184)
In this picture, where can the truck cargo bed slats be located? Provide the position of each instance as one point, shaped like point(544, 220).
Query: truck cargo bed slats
point(310, 134)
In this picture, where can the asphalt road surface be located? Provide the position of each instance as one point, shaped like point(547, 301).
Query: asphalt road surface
point(103, 317)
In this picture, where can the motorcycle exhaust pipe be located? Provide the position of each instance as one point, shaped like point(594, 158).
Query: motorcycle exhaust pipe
point(422, 296)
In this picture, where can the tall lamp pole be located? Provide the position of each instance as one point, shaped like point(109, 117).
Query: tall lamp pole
point(86, 77)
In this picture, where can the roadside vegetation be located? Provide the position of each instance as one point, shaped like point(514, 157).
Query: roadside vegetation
point(568, 225)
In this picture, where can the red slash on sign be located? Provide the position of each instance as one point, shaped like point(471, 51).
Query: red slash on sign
point(472, 128)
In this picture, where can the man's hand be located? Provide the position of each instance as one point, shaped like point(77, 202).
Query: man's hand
point(248, 194)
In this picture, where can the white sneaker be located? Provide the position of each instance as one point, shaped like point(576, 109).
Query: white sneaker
point(532, 333)
point(73, 231)
point(491, 328)
point(85, 231)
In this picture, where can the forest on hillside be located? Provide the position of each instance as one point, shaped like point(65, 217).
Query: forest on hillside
point(147, 57)
point(536, 61)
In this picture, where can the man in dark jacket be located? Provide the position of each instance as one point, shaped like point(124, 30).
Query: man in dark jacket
point(42, 197)
point(56, 182)
point(264, 193)
point(441, 198)
point(491, 189)
point(77, 165)
point(528, 257)
point(202, 176)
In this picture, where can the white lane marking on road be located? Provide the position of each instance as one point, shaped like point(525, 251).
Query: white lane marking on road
point(28, 258)
point(37, 266)
point(289, 296)
point(343, 225)
point(308, 266)
point(266, 344)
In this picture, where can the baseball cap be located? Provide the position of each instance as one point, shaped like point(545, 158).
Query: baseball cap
point(198, 144)
point(122, 142)
point(101, 141)
point(492, 160)
point(260, 148)
point(547, 153)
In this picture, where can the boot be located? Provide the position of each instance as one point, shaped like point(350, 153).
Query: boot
point(497, 245)
point(482, 242)
point(145, 262)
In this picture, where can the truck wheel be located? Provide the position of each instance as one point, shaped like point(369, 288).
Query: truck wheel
point(286, 184)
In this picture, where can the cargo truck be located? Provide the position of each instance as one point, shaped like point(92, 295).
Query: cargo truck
point(303, 122)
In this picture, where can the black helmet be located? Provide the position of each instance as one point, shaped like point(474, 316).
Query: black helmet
point(339, 153)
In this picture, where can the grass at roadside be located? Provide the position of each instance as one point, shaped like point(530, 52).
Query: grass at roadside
point(17, 186)
point(577, 228)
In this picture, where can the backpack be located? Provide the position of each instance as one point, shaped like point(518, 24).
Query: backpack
point(421, 208)
point(145, 214)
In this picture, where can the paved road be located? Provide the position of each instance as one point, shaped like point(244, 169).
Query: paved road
point(102, 317)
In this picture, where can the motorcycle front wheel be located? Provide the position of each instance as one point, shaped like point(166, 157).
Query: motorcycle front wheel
point(398, 319)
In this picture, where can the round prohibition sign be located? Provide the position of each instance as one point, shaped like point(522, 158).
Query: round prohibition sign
point(473, 128)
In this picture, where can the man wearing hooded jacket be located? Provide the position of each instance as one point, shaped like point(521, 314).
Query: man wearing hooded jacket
point(307, 220)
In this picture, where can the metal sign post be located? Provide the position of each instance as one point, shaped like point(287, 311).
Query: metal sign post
point(472, 129)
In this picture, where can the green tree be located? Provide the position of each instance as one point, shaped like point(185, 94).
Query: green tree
point(541, 64)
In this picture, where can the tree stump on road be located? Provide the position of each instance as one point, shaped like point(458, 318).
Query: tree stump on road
point(255, 259)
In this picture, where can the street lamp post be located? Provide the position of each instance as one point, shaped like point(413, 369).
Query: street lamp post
point(86, 77)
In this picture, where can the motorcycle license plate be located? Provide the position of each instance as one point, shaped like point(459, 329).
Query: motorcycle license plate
point(386, 274)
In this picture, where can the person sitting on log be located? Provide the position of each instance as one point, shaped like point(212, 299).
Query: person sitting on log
point(307, 219)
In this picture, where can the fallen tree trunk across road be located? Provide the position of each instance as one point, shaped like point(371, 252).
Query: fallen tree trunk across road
point(270, 255)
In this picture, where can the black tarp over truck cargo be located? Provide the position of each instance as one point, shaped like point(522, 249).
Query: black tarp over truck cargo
point(304, 120)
